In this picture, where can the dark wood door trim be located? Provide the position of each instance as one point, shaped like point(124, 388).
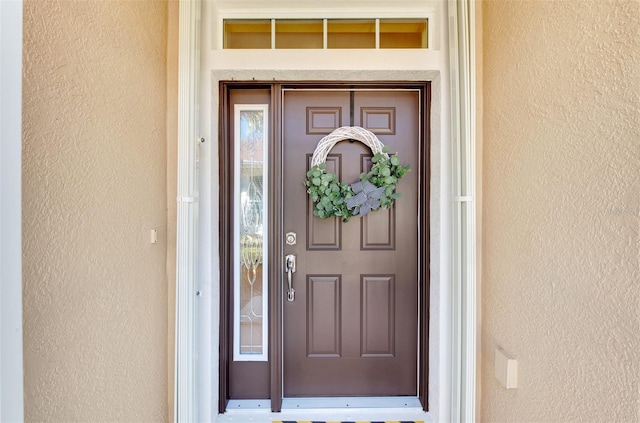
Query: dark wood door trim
point(225, 246)
point(275, 222)
point(226, 158)
point(424, 254)
point(276, 245)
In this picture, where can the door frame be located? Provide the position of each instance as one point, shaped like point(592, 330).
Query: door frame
point(457, 210)
point(275, 272)
point(11, 353)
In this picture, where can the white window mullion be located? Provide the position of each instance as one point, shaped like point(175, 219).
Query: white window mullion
point(273, 34)
point(325, 36)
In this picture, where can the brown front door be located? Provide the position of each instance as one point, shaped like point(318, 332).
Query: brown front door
point(352, 329)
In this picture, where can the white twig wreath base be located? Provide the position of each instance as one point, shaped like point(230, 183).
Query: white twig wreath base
point(375, 189)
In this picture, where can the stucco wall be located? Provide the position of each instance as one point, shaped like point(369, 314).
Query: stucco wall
point(94, 169)
point(561, 209)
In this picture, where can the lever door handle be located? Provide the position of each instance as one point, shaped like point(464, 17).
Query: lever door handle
point(290, 268)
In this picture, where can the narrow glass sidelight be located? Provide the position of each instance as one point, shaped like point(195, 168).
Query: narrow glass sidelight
point(250, 232)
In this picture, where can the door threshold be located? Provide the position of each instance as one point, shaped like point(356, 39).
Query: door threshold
point(261, 412)
point(350, 402)
point(263, 404)
point(319, 403)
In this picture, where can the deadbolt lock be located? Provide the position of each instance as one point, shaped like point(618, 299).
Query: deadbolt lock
point(290, 238)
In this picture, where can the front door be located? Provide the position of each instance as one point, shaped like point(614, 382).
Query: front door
point(352, 327)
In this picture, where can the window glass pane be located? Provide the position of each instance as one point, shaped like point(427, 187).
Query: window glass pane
point(341, 33)
point(252, 33)
point(348, 33)
point(403, 33)
point(250, 233)
point(292, 33)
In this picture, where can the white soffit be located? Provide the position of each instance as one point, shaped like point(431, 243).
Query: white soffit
point(346, 9)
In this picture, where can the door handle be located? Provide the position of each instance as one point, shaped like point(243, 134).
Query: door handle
point(290, 268)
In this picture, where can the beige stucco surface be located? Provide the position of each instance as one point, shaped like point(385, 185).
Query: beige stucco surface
point(561, 209)
point(94, 185)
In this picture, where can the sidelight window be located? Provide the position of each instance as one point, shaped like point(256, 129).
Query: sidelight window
point(250, 235)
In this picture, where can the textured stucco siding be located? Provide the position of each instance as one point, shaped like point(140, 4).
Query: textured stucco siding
point(561, 209)
point(94, 185)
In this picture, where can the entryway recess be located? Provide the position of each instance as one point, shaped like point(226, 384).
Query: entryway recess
point(357, 324)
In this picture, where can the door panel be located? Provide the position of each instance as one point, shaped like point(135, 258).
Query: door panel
point(324, 234)
point(353, 327)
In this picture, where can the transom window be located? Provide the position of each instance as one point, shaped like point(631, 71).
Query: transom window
point(393, 33)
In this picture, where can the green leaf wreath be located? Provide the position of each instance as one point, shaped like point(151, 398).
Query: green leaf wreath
point(377, 188)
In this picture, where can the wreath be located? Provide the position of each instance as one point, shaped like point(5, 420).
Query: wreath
point(375, 189)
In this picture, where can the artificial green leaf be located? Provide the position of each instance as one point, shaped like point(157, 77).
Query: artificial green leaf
point(388, 191)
